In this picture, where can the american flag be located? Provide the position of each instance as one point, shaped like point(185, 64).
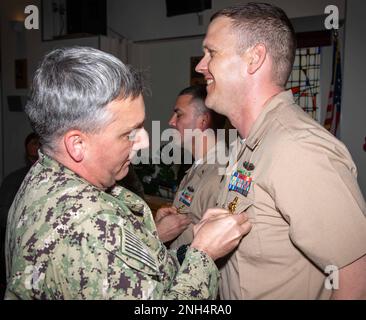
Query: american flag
point(333, 114)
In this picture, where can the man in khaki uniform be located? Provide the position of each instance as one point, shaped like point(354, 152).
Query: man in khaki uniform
point(199, 188)
point(296, 181)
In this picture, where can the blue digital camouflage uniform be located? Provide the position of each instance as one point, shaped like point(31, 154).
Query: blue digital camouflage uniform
point(67, 239)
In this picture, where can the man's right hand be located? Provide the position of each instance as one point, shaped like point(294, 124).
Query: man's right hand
point(170, 224)
point(219, 232)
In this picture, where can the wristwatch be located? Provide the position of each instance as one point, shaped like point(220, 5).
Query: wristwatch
point(181, 252)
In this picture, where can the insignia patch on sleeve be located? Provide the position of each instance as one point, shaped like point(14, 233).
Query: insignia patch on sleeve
point(136, 249)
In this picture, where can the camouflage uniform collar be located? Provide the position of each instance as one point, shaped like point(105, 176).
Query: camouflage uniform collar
point(49, 162)
point(122, 196)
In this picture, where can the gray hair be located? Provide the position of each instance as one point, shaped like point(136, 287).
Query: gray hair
point(71, 89)
point(264, 23)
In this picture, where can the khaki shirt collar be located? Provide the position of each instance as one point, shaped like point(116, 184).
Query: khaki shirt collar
point(199, 166)
point(211, 155)
point(260, 126)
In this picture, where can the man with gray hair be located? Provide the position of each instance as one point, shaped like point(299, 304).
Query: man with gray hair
point(296, 181)
point(72, 233)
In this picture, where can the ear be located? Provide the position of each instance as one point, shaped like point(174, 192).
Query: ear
point(75, 142)
point(203, 121)
point(257, 55)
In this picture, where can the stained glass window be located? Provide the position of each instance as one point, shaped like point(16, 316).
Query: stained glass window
point(304, 80)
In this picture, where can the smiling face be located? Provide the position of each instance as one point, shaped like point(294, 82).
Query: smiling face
point(222, 66)
point(109, 151)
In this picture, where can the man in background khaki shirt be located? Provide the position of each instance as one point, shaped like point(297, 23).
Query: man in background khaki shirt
point(199, 188)
point(296, 181)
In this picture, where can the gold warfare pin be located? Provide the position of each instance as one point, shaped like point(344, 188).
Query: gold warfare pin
point(232, 205)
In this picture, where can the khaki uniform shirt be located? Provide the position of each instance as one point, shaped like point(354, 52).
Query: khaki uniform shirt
point(304, 204)
point(67, 239)
point(198, 191)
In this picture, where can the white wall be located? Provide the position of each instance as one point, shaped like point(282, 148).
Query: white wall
point(167, 62)
point(146, 19)
point(25, 44)
point(14, 45)
point(353, 116)
point(166, 65)
point(28, 44)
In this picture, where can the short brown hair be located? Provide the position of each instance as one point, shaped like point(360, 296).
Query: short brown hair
point(199, 93)
point(269, 25)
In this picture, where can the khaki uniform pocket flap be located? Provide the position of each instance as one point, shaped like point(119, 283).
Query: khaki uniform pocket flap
point(242, 204)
